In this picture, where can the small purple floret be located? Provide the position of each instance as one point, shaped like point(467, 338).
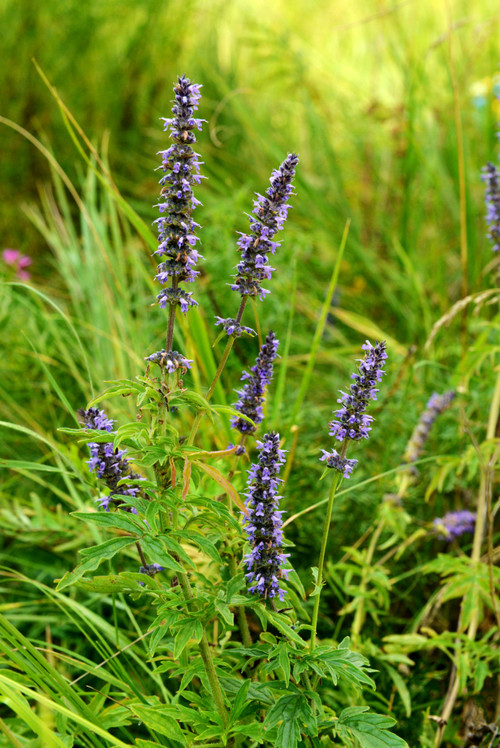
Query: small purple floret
point(335, 461)
point(263, 523)
point(233, 327)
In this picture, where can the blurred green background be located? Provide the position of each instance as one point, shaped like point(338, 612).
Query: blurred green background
point(391, 107)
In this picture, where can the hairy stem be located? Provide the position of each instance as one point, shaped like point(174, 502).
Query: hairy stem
point(206, 656)
point(171, 318)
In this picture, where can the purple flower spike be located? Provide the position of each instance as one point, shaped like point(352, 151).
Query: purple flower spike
point(110, 464)
point(270, 211)
point(454, 524)
point(176, 228)
point(491, 177)
point(436, 405)
point(352, 422)
point(263, 523)
point(252, 394)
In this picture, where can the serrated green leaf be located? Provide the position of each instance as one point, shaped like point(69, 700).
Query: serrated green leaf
point(284, 661)
point(155, 719)
point(196, 538)
point(372, 730)
point(278, 621)
point(155, 548)
point(294, 715)
point(93, 557)
point(234, 585)
point(191, 629)
point(118, 583)
point(240, 701)
point(223, 609)
point(120, 520)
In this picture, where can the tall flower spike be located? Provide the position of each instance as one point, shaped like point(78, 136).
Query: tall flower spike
point(176, 228)
point(252, 394)
point(436, 405)
point(110, 464)
point(491, 177)
point(269, 214)
point(263, 522)
point(351, 421)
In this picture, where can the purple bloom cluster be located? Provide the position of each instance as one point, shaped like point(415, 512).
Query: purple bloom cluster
point(342, 464)
point(176, 228)
point(263, 522)
point(436, 405)
point(352, 421)
point(171, 361)
point(454, 524)
point(151, 569)
point(269, 215)
point(233, 327)
point(110, 464)
point(252, 394)
point(491, 177)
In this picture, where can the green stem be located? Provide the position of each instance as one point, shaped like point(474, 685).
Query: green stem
point(206, 656)
point(326, 530)
point(171, 318)
point(246, 637)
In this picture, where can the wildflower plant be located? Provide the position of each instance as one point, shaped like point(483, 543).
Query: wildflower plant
point(257, 676)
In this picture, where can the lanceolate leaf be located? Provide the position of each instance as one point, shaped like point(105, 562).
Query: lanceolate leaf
point(223, 482)
point(93, 557)
point(371, 730)
point(293, 715)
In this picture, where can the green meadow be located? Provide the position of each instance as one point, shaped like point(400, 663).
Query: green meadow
point(392, 109)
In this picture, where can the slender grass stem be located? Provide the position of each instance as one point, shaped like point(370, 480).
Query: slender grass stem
point(359, 616)
point(324, 541)
point(220, 369)
point(306, 378)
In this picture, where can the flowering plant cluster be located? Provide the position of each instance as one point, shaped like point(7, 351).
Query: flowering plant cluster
point(214, 565)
